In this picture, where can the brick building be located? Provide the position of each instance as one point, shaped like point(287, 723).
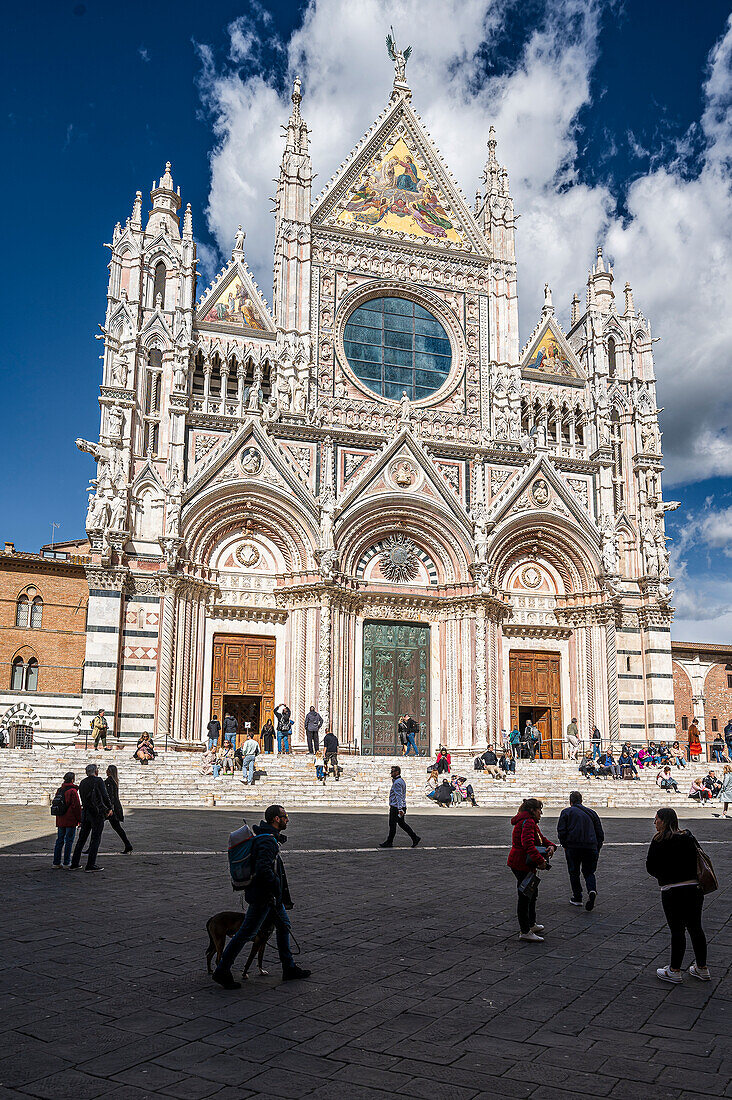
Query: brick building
point(702, 687)
point(43, 605)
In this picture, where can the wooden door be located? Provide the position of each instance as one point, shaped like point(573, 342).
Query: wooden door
point(243, 665)
point(535, 685)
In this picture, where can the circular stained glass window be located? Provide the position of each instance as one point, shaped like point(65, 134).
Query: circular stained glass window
point(395, 346)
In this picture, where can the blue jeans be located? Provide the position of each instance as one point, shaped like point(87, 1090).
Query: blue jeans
point(216, 770)
point(212, 743)
point(411, 744)
point(283, 738)
point(251, 924)
point(596, 748)
point(65, 840)
point(247, 766)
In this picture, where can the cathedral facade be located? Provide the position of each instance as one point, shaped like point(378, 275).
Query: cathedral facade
point(370, 498)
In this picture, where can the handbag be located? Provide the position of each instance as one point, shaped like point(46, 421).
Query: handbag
point(705, 874)
point(529, 886)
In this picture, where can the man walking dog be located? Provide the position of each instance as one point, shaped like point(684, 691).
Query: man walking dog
point(267, 896)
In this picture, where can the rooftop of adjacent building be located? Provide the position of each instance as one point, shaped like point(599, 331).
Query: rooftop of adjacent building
point(706, 649)
point(74, 553)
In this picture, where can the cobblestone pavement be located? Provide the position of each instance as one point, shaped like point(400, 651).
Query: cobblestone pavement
point(420, 986)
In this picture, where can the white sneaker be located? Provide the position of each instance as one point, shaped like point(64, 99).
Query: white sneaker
point(666, 974)
point(700, 972)
point(531, 937)
point(537, 928)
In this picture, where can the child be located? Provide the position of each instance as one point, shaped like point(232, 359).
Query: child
point(319, 767)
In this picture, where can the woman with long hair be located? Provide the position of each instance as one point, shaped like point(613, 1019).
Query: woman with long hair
point(118, 815)
point(530, 851)
point(726, 792)
point(672, 860)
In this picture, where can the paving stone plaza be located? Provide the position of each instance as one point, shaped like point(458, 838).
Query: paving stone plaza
point(420, 987)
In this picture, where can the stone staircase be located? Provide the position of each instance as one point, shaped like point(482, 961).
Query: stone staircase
point(29, 778)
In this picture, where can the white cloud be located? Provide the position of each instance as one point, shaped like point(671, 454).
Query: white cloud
point(674, 244)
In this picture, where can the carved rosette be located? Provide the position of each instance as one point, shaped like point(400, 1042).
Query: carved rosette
point(400, 560)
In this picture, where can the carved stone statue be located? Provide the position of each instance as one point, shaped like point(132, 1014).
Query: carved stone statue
point(650, 557)
point(399, 57)
point(96, 516)
point(406, 409)
point(116, 422)
point(610, 555)
point(239, 238)
point(179, 377)
point(327, 517)
point(120, 370)
point(501, 424)
point(118, 513)
point(481, 538)
point(175, 484)
point(172, 518)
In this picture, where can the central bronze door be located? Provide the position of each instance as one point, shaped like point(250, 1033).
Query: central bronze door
point(242, 679)
point(396, 666)
point(536, 694)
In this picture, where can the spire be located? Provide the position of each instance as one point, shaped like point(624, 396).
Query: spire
point(136, 219)
point(188, 223)
point(575, 308)
point(601, 278)
point(492, 170)
point(165, 205)
point(629, 304)
point(297, 131)
point(548, 308)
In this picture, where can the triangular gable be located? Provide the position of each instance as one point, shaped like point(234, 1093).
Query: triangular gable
point(395, 185)
point(549, 356)
point(541, 488)
point(234, 304)
point(157, 325)
point(148, 474)
point(252, 455)
point(403, 448)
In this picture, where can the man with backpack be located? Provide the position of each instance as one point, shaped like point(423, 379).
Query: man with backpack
point(267, 895)
point(66, 808)
point(96, 808)
point(581, 835)
point(99, 729)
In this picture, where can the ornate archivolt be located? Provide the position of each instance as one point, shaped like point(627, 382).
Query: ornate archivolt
point(432, 529)
point(557, 551)
point(267, 513)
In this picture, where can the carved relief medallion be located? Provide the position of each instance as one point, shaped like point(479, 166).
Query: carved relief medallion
point(250, 460)
point(531, 577)
point(400, 560)
point(540, 492)
point(248, 555)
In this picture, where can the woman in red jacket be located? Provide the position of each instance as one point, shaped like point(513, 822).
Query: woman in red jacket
point(66, 823)
point(529, 852)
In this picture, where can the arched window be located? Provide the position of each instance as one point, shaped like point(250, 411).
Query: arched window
point(611, 359)
point(17, 675)
point(36, 615)
point(31, 683)
point(159, 287)
point(22, 611)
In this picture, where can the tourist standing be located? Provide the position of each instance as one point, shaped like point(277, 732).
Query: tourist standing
point(213, 730)
point(672, 860)
point(728, 738)
point(529, 853)
point(99, 729)
point(580, 833)
point(313, 722)
point(268, 896)
point(330, 745)
point(67, 796)
point(515, 740)
point(231, 729)
point(118, 815)
point(695, 749)
point(96, 808)
point(726, 792)
point(402, 732)
point(412, 731)
point(398, 810)
point(249, 751)
point(573, 739)
point(283, 715)
point(596, 739)
point(268, 733)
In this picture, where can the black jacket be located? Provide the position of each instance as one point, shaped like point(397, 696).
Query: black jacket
point(283, 715)
point(313, 721)
point(95, 801)
point(113, 792)
point(230, 725)
point(214, 727)
point(490, 757)
point(269, 881)
point(412, 726)
point(330, 743)
point(580, 827)
point(673, 859)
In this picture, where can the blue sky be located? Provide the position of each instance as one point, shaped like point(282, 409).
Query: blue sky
point(613, 119)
